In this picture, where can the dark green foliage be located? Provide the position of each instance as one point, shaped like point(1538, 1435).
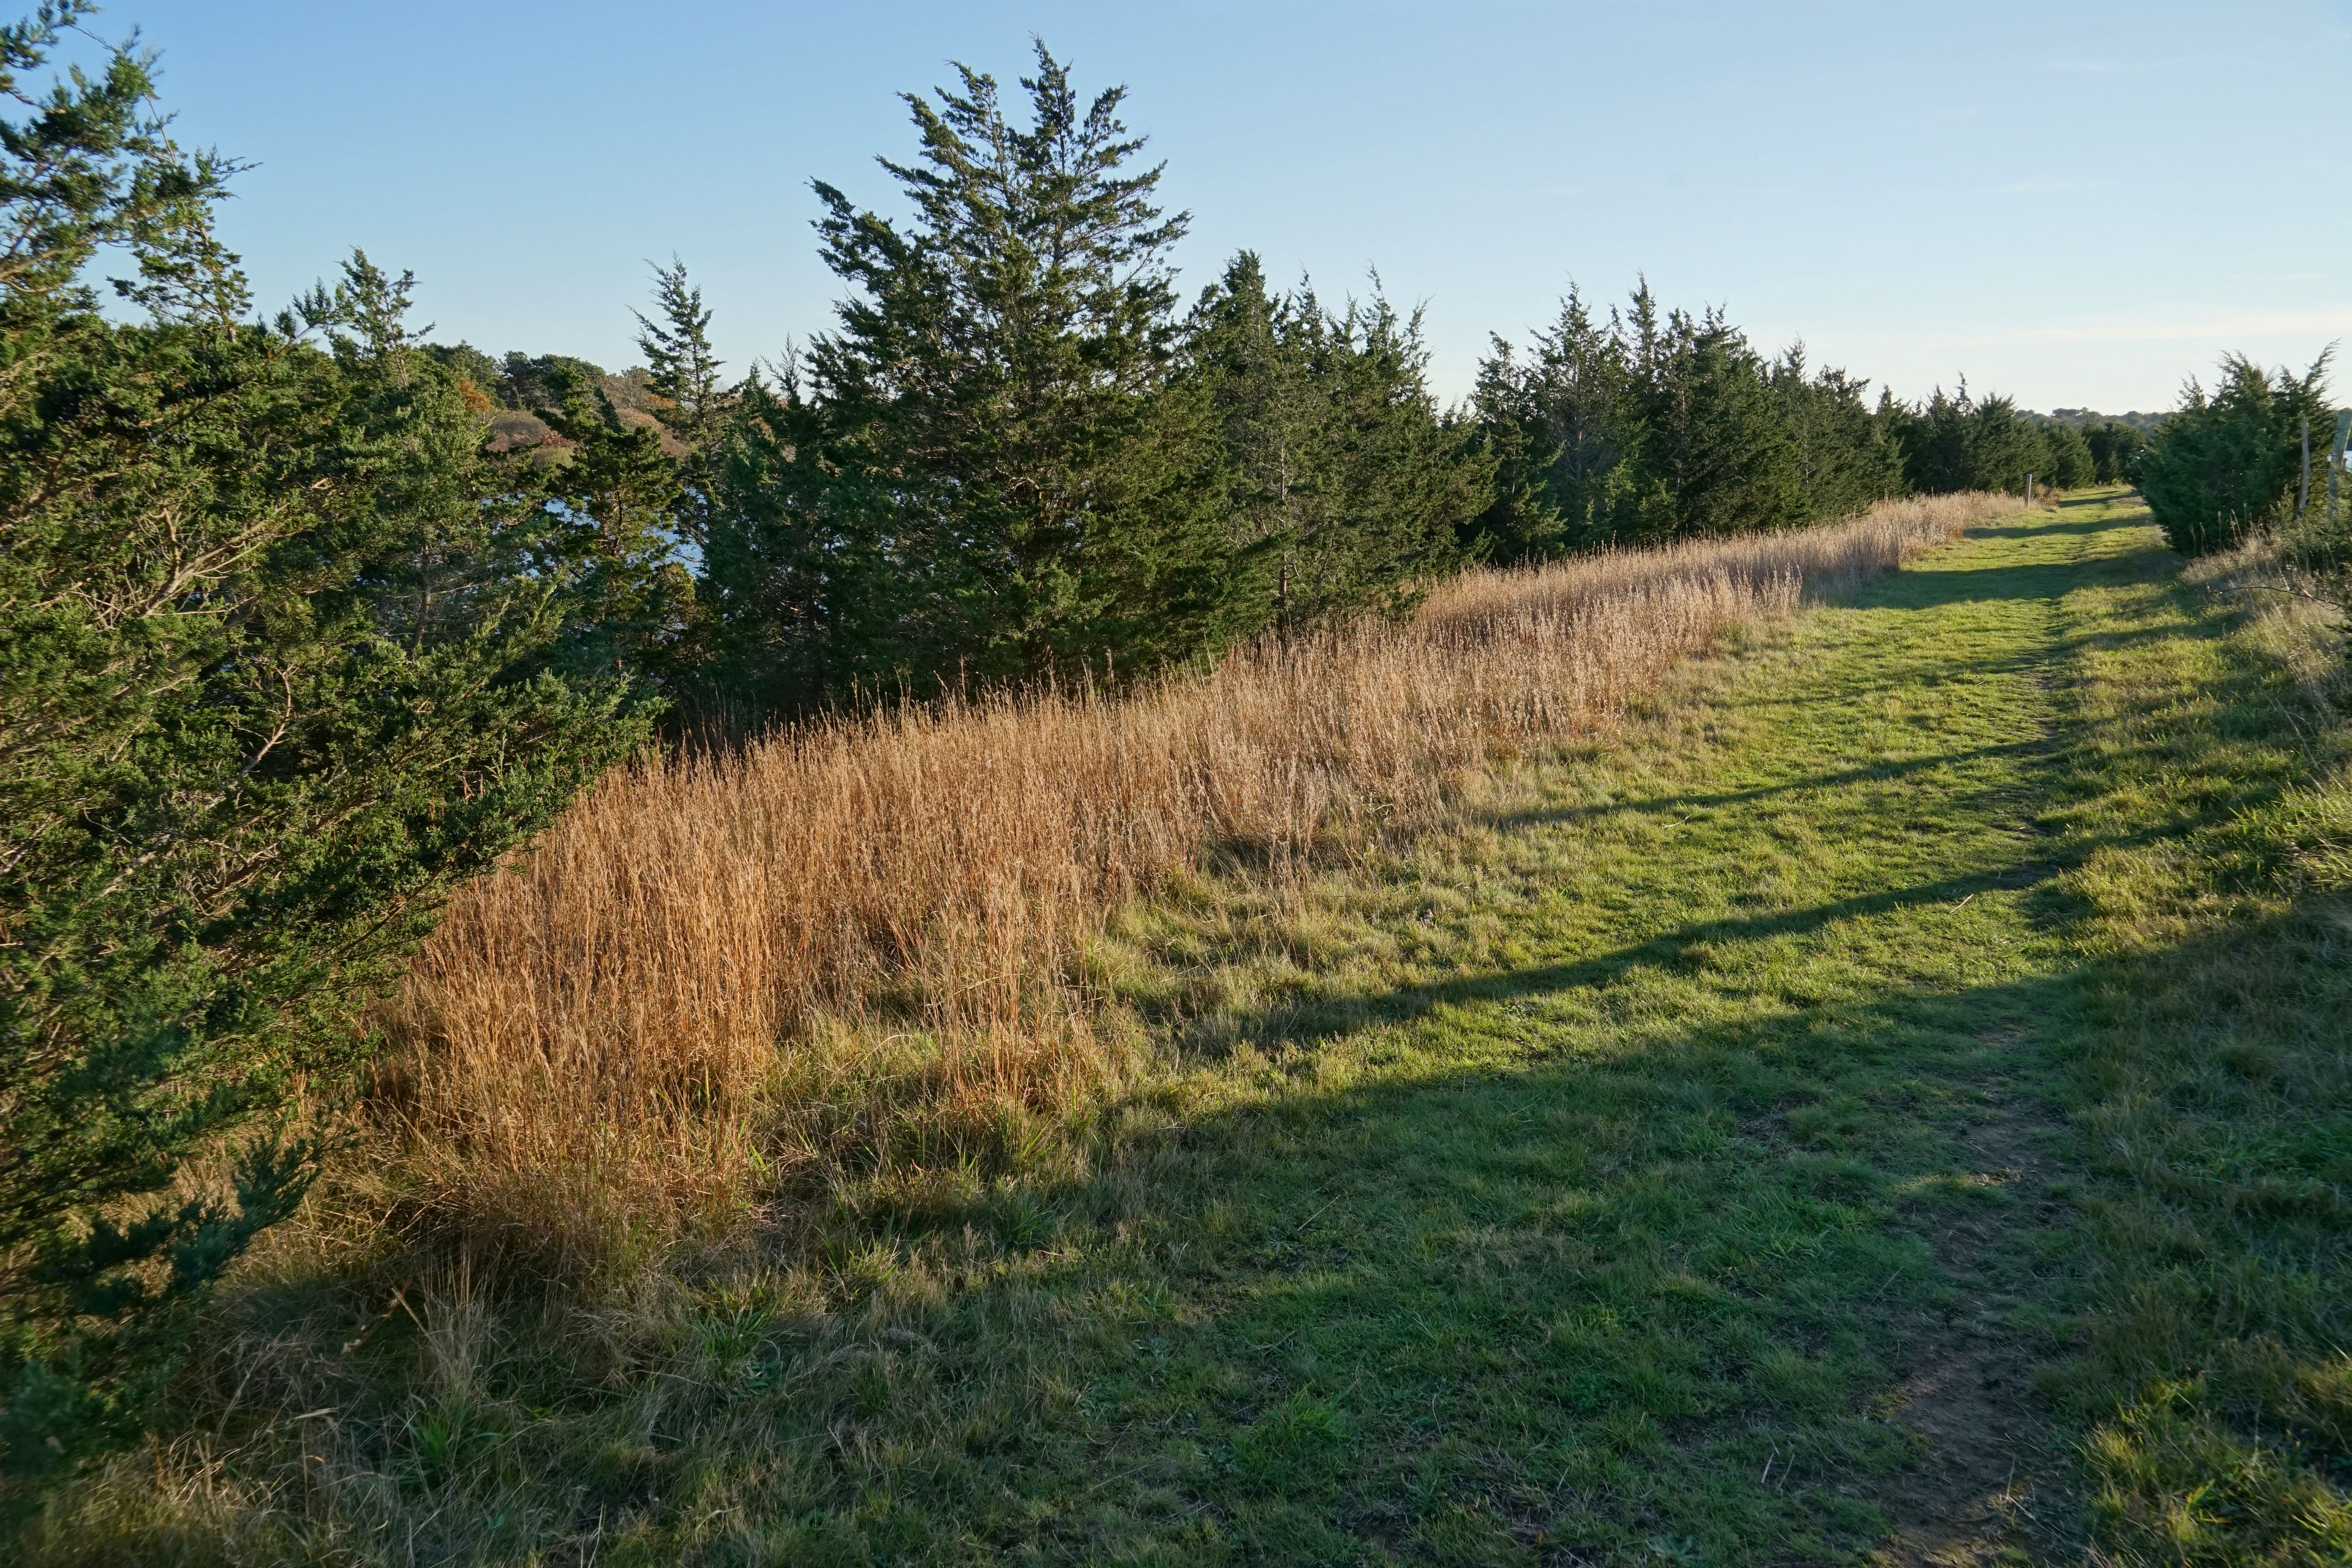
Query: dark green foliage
point(1012, 459)
point(1246, 359)
point(1846, 457)
point(537, 382)
point(816, 583)
point(2115, 449)
point(1716, 450)
point(1558, 425)
point(1345, 488)
point(283, 657)
point(470, 365)
point(1964, 444)
point(1652, 427)
point(2228, 463)
point(683, 369)
point(687, 397)
point(627, 494)
point(2068, 462)
point(998, 375)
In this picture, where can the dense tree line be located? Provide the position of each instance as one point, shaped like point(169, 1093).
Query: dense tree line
point(303, 621)
point(1017, 455)
point(1652, 424)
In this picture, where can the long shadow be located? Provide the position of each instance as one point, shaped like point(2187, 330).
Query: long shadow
point(1326, 1020)
point(1913, 588)
point(1696, 1253)
point(2076, 527)
point(1392, 1305)
point(1920, 589)
point(1470, 1274)
point(1335, 1018)
point(1932, 588)
point(1421, 1294)
point(1877, 772)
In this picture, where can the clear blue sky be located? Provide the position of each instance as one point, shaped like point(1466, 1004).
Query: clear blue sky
point(2078, 204)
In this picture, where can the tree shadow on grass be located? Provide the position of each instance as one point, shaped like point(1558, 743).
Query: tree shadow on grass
point(1581, 1296)
point(1587, 1295)
point(1877, 772)
point(1689, 947)
point(1615, 1278)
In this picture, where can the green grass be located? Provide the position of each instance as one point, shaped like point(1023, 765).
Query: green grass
point(1891, 1098)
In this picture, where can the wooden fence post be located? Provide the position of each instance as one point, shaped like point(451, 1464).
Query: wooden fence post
point(2303, 495)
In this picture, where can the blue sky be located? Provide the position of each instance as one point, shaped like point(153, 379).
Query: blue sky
point(2078, 204)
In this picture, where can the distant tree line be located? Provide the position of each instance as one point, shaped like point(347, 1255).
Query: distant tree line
point(1653, 425)
point(303, 621)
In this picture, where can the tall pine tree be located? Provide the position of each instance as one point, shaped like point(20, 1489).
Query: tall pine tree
point(1000, 375)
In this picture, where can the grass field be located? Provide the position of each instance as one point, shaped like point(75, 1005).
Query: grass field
point(1887, 1100)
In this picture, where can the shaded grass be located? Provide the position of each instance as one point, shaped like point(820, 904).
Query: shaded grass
point(1953, 975)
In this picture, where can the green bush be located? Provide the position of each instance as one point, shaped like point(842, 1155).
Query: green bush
point(284, 657)
point(2115, 449)
point(2229, 462)
point(2069, 464)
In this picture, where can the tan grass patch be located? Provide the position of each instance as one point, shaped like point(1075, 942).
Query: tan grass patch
point(860, 939)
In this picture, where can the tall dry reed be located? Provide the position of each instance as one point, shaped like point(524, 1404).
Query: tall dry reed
point(712, 966)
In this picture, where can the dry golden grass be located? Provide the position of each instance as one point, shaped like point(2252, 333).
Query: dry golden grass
point(860, 939)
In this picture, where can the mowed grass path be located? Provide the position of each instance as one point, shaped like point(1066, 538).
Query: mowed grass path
point(1624, 1179)
point(1679, 1163)
point(1612, 1224)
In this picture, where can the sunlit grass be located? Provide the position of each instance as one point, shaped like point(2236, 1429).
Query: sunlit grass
point(1884, 1092)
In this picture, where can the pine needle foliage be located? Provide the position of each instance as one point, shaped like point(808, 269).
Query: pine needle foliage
point(2115, 449)
point(1000, 365)
point(2070, 463)
point(1657, 424)
point(2228, 463)
point(1964, 442)
point(1013, 461)
point(1345, 485)
point(284, 659)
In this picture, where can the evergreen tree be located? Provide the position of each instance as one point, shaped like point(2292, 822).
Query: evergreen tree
point(2068, 462)
point(1243, 358)
point(1845, 457)
point(284, 657)
point(632, 504)
point(1399, 480)
point(1717, 455)
point(1000, 375)
point(818, 580)
point(2115, 449)
point(2229, 462)
point(1936, 444)
point(684, 369)
point(1570, 409)
point(2003, 447)
point(1516, 434)
point(1657, 424)
point(1347, 488)
point(1964, 444)
point(691, 401)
